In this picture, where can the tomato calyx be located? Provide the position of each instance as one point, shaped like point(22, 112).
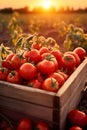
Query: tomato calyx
point(68, 58)
point(12, 73)
point(49, 57)
point(53, 83)
point(3, 69)
point(21, 55)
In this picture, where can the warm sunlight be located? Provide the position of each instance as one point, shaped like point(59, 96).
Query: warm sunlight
point(46, 4)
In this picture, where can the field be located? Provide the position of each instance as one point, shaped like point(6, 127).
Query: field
point(48, 25)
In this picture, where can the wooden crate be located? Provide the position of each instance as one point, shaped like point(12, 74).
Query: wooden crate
point(43, 105)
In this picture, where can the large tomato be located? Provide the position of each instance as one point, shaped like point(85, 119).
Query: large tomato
point(77, 117)
point(46, 66)
point(80, 52)
point(75, 128)
point(50, 84)
point(17, 60)
point(3, 73)
point(42, 126)
point(33, 55)
point(58, 77)
point(28, 71)
point(14, 77)
point(50, 57)
point(68, 62)
point(25, 124)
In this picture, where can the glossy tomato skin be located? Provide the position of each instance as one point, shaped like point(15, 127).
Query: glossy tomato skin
point(50, 84)
point(33, 56)
point(46, 67)
point(50, 57)
point(25, 124)
point(80, 52)
point(17, 60)
point(3, 73)
point(41, 126)
point(68, 63)
point(77, 117)
point(14, 77)
point(75, 128)
point(58, 77)
point(28, 71)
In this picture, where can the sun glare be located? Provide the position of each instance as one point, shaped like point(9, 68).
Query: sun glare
point(46, 4)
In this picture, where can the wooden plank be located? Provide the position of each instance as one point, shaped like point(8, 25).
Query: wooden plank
point(25, 93)
point(31, 109)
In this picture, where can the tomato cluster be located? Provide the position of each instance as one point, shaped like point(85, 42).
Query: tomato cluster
point(23, 124)
point(77, 119)
point(41, 68)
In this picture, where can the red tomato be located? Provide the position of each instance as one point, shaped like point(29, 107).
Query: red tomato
point(14, 77)
point(33, 55)
point(24, 124)
point(3, 73)
point(58, 77)
point(44, 50)
point(42, 126)
point(7, 64)
point(17, 60)
point(46, 66)
point(28, 71)
point(36, 45)
point(75, 128)
point(50, 84)
point(34, 83)
point(50, 57)
point(80, 52)
point(78, 61)
point(9, 56)
point(68, 62)
point(77, 117)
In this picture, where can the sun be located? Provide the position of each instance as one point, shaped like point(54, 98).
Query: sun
point(46, 4)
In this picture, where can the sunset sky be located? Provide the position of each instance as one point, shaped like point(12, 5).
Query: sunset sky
point(44, 3)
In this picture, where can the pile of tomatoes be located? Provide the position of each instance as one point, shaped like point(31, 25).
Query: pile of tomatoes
point(40, 67)
point(23, 124)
